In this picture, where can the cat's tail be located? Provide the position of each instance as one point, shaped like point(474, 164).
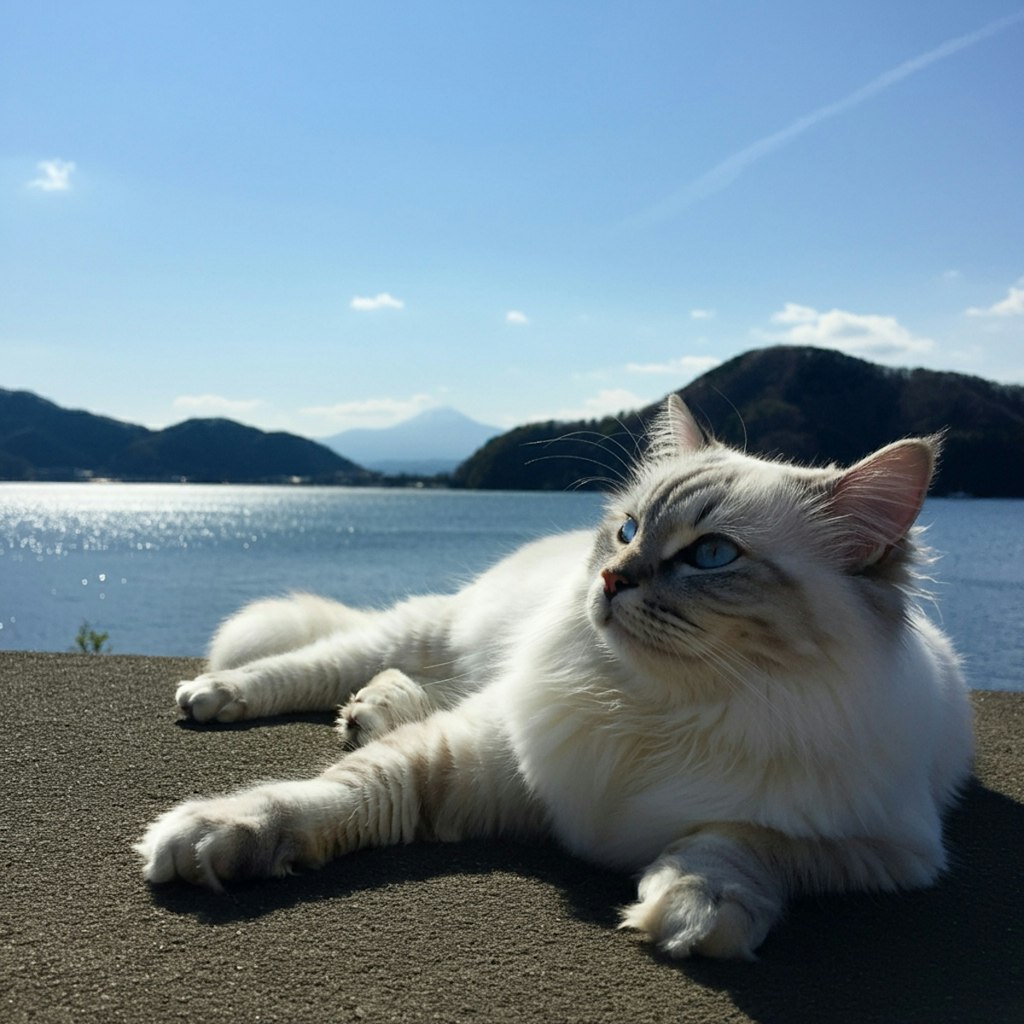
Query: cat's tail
point(277, 625)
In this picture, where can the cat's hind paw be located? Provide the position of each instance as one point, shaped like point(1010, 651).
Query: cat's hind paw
point(690, 914)
point(390, 699)
point(215, 696)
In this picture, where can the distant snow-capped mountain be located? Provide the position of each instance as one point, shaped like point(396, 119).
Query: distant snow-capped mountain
point(434, 441)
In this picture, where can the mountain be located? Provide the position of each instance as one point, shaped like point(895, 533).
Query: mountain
point(37, 435)
point(40, 440)
point(435, 441)
point(219, 449)
point(812, 405)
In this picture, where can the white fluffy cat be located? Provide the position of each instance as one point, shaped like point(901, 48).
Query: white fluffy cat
point(726, 687)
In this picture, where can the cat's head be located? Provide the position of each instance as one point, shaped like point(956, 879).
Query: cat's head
point(715, 559)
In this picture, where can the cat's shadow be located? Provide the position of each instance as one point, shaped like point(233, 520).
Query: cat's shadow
point(589, 893)
point(248, 724)
point(952, 953)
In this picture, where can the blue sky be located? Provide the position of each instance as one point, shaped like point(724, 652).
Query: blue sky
point(312, 216)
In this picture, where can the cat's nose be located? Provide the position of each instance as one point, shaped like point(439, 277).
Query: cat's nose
point(614, 582)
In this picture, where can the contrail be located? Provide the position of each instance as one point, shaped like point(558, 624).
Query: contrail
point(732, 167)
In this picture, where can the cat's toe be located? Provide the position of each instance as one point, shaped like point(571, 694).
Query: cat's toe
point(390, 699)
point(347, 729)
point(694, 916)
point(180, 845)
point(360, 721)
point(214, 696)
point(209, 842)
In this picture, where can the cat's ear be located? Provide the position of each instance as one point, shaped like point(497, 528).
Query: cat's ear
point(675, 431)
point(874, 503)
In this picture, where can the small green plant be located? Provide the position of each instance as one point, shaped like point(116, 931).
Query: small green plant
point(89, 641)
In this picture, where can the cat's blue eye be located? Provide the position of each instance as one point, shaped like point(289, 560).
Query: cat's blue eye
point(627, 531)
point(712, 552)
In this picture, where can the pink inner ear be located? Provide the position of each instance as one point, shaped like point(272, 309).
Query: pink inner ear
point(879, 498)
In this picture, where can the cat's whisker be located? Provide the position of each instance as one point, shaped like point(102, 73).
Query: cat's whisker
point(635, 456)
point(615, 481)
point(623, 457)
point(585, 481)
point(630, 459)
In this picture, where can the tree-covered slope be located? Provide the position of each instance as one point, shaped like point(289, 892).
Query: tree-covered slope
point(39, 440)
point(812, 405)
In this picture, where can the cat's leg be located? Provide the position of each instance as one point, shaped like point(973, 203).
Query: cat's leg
point(276, 625)
point(718, 891)
point(708, 894)
point(450, 777)
point(413, 637)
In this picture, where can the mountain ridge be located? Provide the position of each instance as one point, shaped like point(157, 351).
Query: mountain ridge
point(809, 405)
point(40, 440)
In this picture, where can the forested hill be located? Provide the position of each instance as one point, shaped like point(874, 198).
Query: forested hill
point(42, 441)
point(812, 405)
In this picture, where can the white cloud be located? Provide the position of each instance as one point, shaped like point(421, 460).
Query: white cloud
point(514, 316)
point(1012, 305)
point(792, 313)
point(951, 275)
point(607, 402)
point(55, 176)
point(214, 405)
point(863, 334)
point(703, 314)
point(369, 412)
point(366, 303)
point(683, 366)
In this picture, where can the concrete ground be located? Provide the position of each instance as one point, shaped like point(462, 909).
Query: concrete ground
point(90, 750)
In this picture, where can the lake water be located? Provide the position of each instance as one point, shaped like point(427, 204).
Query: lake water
point(157, 566)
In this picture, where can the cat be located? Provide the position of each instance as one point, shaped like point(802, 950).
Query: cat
point(727, 688)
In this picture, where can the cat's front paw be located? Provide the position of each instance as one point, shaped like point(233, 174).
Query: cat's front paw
point(688, 914)
point(214, 696)
point(390, 699)
point(208, 842)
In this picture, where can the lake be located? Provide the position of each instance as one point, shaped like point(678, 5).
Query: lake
point(158, 565)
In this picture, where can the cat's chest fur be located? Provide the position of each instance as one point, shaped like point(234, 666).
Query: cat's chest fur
point(621, 769)
point(622, 777)
point(615, 791)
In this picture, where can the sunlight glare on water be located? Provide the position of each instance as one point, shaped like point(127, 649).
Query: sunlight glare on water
point(157, 566)
point(170, 561)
